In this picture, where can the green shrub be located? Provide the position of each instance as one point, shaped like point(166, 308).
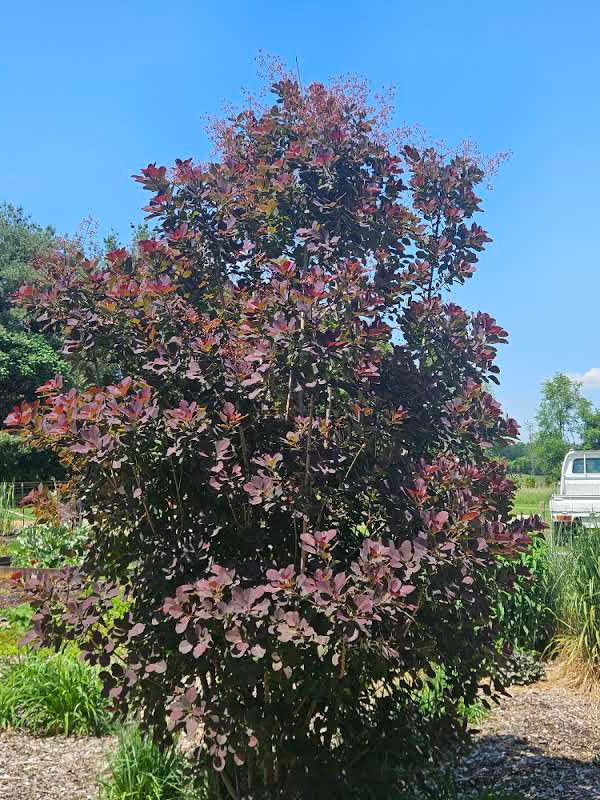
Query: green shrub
point(52, 694)
point(521, 668)
point(21, 462)
point(431, 696)
point(14, 622)
point(140, 770)
point(525, 610)
point(529, 482)
point(49, 545)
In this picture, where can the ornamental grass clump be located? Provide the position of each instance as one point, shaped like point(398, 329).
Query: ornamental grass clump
point(50, 694)
point(139, 770)
point(288, 479)
point(575, 566)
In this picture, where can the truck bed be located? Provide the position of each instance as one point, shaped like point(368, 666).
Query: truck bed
point(574, 506)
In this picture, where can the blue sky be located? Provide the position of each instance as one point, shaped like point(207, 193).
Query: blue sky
point(92, 91)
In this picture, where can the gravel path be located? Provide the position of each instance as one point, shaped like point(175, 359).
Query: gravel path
point(543, 741)
point(54, 768)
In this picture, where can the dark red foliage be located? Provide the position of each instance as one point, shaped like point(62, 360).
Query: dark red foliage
point(289, 481)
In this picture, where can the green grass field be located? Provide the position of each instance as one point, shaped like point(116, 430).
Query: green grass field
point(527, 501)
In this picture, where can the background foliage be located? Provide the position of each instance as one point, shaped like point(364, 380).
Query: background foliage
point(27, 357)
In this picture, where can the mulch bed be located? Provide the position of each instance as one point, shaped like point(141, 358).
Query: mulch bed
point(543, 741)
point(54, 768)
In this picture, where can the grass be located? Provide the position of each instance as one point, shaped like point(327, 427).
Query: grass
point(50, 694)
point(7, 502)
point(139, 770)
point(576, 605)
point(559, 613)
point(527, 501)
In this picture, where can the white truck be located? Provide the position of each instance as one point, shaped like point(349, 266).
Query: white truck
point(578, 498)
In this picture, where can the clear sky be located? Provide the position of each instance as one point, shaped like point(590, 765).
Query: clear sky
point(90, 92)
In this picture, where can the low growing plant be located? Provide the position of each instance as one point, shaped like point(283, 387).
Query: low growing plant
point(14, 623)
point(441, 785)
point(290, 483)
point(49, 545)
point(49, 694)
point(139, 770)
point(521, 668)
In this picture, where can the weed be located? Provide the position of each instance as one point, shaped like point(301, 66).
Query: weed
point(7, 511)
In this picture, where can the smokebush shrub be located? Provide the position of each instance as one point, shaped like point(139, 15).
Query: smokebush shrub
point(291, 482)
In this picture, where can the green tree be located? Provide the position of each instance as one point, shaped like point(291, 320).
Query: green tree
point(591, 426)
point(560, 409)
point(26, 361)
point(21, 240)
point(560, 421)
point(517, 455)
point(26, 357)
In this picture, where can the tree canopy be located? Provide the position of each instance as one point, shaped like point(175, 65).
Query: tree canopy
point(565, 419)
point(27, 357)
point(21, 240)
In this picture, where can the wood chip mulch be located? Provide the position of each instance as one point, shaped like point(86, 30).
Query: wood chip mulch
point(53, 768)
point(543, 742)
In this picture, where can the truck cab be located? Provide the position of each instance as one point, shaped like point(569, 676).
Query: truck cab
point(578, 498)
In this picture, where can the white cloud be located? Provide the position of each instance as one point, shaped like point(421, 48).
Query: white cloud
point(589, 379)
